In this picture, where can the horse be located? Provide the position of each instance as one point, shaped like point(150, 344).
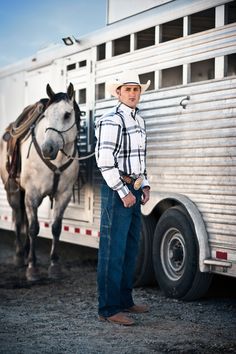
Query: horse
point(48, 167)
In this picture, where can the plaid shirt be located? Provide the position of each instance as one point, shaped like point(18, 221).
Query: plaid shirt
point(121, 147)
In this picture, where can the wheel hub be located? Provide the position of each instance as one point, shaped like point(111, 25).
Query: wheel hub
point(173, 254)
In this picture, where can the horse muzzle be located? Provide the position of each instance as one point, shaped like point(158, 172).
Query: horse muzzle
point(49, 151)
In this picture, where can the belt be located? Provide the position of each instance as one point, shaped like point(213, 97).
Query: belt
point(136, 182)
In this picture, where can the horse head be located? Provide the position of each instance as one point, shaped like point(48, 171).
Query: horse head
point(61, 119)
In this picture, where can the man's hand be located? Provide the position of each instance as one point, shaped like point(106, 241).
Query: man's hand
point(129, 200)
point(146, 195)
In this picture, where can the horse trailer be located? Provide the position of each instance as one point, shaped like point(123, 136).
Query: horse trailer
point(188, 51)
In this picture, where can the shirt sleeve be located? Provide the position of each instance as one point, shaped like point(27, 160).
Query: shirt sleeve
point(109, 138)
point(145, 181)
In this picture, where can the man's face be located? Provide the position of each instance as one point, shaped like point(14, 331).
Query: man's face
point(129, 95)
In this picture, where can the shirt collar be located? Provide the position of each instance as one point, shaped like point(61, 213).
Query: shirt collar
point(126, 109)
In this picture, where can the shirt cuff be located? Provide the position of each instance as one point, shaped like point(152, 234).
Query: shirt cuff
point(145, 184)
point(123, 191)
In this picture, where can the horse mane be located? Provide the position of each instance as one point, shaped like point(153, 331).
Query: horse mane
point(77, 115)
point(57, 97)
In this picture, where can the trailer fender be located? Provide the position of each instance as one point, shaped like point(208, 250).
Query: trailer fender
point(194, 214)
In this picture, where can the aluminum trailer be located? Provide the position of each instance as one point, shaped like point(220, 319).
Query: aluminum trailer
point(188, 50)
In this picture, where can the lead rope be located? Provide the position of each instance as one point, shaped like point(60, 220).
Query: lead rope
point(78, 158)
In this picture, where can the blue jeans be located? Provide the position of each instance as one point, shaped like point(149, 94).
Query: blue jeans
point(119, 241)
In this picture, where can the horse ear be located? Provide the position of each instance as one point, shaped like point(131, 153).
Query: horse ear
point(50, 92)
point(70, 91)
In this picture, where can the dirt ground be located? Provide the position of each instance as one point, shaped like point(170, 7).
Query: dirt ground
point(61, 316)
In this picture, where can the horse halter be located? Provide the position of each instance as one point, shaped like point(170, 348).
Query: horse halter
point(60, 132)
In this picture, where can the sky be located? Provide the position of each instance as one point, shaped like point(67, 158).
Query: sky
point(27, 26)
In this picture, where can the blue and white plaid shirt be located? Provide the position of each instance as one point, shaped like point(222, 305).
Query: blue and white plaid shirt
point(121, 147)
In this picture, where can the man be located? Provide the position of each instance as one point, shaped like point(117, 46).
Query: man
point(120, 156)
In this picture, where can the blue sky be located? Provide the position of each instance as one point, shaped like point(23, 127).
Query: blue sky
point(30, 25)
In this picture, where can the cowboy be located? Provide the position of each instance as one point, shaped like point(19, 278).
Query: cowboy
point(120, 156)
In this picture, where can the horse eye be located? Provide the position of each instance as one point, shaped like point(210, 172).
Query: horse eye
point(67, 115)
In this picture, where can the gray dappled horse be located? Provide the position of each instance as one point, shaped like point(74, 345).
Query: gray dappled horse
point(48, 168)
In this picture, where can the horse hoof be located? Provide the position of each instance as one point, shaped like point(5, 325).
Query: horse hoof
point(19, 260)
point(32, 274)
point(54, 271)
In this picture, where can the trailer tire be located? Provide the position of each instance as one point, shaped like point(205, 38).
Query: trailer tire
point(144, 274)
point(175, 256)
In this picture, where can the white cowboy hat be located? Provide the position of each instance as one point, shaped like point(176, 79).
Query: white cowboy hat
point(128, 77)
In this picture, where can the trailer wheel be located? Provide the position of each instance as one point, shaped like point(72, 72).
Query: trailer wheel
point(175, 256)
point(144, 274)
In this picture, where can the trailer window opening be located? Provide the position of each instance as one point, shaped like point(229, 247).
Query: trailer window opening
point(171, 76)
point(202, 21)
point(230, 12)
point(202, 70)
point(171, 30)
point(148, 76)
point(145, 38)
point(121, 45)
point(230, 64)
point(82, 63)
point(71, 67)
point(101, 51)
point(100, 91)
point(82, 96)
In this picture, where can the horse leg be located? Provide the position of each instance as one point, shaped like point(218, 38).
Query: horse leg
point(26, 243)
point(54, 270)
point(61, 203)
point(19, 253)
point(16, 200)
point(22, 248)
point(32, 273)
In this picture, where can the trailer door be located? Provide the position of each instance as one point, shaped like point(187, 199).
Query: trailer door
point(36, 82)
point(78, 69)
